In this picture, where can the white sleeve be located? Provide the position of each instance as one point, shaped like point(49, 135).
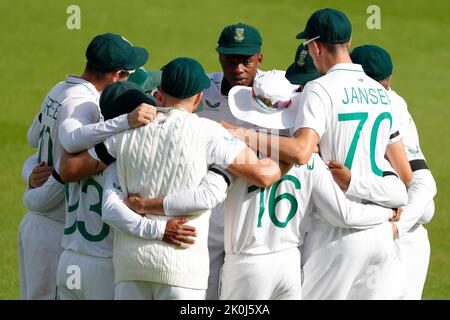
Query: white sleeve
point(395, 133)
point(335, 208)
point(421, 191)
point(33, 132)
point(28, 167)
point(312, 109)
point(211, 191)
point(47, 197)
point(223, 148)
point(116, 214)
point(80, 129)
point(428, 213)
point(388, 191)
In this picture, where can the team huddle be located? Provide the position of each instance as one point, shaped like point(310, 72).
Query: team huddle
point(244, 184)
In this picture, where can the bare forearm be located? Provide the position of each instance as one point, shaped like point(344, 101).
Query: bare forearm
point(296, 150)
point(146, 206)
point(75, 167)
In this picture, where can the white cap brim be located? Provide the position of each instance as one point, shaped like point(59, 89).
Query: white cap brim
point(243, 106)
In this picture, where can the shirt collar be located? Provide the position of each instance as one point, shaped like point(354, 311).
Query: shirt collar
point(70, 79)
point(346, 67)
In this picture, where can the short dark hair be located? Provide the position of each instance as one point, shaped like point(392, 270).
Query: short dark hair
point(98, 74)
point(333, 48)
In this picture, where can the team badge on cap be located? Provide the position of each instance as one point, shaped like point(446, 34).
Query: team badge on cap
point(302, 58)
point(239, 34)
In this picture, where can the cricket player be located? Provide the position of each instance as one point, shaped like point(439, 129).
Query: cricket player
point(240, 56)
point(262, 232)
point(63, 113)
point(349, 115)
point(412, 241)
point(110, 58)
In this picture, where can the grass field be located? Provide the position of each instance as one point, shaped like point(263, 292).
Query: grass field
point(37, 51)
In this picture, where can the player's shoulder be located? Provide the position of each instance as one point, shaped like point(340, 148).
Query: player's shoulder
point(78, 88)
point(397, 100)
point(205, 123)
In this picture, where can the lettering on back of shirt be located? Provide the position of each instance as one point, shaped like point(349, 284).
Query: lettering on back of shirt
point(361, 95)
point(52, 108)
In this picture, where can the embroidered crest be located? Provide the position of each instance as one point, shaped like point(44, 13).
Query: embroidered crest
point(302, 58)
point(239, 34)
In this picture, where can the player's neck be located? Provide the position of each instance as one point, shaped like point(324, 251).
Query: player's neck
point(100, 85)
point(331, 61)
point(168, 103)
point(225, 87)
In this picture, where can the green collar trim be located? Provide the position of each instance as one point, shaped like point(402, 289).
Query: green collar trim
point(346, 70)
point(83, 84)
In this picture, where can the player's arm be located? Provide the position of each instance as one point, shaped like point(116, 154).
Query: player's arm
point(116, 214)
point(34, 130)
point(75, 167)
point(421, 192)
point(81, 129)
point(208, 194)
point(45, 198)
point(295, 150)
point(428, 213)
point(233, 155)
point(309, 127)
point(388, 190)
point(395, 153)
point(334, 207)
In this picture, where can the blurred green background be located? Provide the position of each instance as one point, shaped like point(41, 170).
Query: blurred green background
point(38, 50)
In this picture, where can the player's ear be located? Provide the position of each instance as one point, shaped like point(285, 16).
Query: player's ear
point(260, 59)
point(316, 47)
point(349, 43)
point(198, 98)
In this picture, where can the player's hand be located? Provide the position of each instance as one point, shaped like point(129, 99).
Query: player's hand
point(39, 175)
point(135, 203)
point(341, 174)
point(396, 216)
point(394, 230)
point(178, 233)
point(142, 115)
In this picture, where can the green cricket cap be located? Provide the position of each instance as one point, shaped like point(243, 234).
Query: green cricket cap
point(147, 80)
point(328, 25)
point(183, 78)
point(302, 70)
point(109, 52)
point(375, 61)
point(121, 98)
point(239, 39)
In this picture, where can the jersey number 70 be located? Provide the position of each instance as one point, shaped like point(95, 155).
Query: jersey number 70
point(362, 117)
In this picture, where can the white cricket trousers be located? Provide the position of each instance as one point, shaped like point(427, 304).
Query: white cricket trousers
point(216, 249)
point(348, 264)
point(273, 276)
point(83, 277)
point(39, 250)
point(414, 256)
point(145, 290)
